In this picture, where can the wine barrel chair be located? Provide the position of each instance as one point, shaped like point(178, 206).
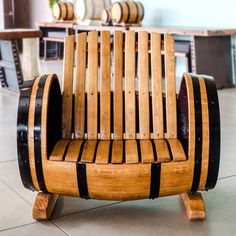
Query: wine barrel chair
point(111, 135)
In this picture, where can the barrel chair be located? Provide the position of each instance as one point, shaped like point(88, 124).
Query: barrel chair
point(112, 133)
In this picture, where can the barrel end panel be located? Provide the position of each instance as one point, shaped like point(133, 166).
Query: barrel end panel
point(199, 127)
point(33, 122)
point(22, 138)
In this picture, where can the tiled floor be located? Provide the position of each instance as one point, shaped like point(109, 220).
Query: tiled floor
point(73, 216)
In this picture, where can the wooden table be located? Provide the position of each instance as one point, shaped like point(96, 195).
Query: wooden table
point(52, 34)
point(10, 66)
point(210, 50)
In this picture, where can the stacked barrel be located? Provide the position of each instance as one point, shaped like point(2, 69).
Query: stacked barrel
point(63, 11)
point(124, 12)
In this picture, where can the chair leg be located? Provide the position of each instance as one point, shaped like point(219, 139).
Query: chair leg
point(44, 205)
point(194, 205)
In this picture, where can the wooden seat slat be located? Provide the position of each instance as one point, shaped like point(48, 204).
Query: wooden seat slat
point(59, 150)
point(73, 150)
point(88, 151)
point(131, 151)
point(162, 151)
point(117, 152)
point(102, 155)
point(177, 150)
point(147, 152)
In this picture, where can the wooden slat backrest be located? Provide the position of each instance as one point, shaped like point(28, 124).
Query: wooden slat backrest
point(143, 75)
point(105, 82)
point(130, 109)
point(67, 97)
point(170, 86)
point(79, 114)
point(106, 116)
point(92, 93)
point(118, 85)
point(157, 101)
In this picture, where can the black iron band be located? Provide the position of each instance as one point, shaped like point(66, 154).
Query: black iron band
point(82, 180)
point(155, 180)
point(169, 149)
point(66, 6)
point(59, 10)
point(143, 10)
point(128, 12)
point(22, 139)
point(198, 134)
point(121, 12)
point(137, 11)
point(214, 124)
point(37, 134)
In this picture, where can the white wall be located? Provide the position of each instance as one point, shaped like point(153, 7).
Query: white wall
point(1, 15)
point(198, 13)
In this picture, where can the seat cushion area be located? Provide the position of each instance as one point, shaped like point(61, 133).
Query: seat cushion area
point(118, 151)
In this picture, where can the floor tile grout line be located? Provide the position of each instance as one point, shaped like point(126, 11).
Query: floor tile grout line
point(226, 177)
point(60, 228)
point(227, 125)
point(19, 226)
point(2, 162)
point(90, 209)
point(13, 190)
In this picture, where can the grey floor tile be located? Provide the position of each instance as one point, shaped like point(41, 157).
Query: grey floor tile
point(36, 229)
point(8, 147)
point(228, 150)
point(227, 106)
point(70, 205)
point(8, 106)
point(9, 173)
point(14, 211)
point(164, 216)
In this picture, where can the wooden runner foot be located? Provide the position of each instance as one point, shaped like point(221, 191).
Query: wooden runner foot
point(44, 205)
point(194, 205)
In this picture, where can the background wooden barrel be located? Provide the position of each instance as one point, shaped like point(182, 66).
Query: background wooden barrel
point(63, 11)
point(106, 16)
point(89, 9)
point(127, 12)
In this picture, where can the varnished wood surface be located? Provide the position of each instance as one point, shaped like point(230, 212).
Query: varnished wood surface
point(68, 71)
point(10, 34)
point(143, 74)
point(195, 206)
point(170, 87)
point(130, 108)
point(105, 83)
point(205, 134)
point(79, 116)
point(122, 154)
point(191, 31)
point(31, 133)
point(178, 30)
point(44, 205)
point(157, 100)
point(92, 112)
point(118, 86)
